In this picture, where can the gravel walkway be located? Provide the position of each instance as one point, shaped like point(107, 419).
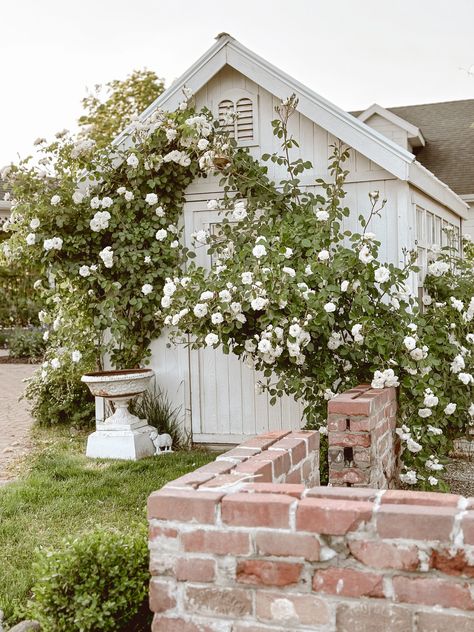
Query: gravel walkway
point(460, 476)
point(15, 420)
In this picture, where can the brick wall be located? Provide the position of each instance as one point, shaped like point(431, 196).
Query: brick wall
point(363, 446)
point(234, 556)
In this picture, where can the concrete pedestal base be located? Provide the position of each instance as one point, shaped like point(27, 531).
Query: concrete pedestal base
point(121, 442)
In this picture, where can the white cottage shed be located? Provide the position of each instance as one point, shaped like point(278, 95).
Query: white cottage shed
point(216, 393)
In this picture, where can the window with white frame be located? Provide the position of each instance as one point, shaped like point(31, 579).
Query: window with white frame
point(242, 122)
point(432, 232)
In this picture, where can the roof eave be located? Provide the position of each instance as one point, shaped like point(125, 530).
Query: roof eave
point(426, 181)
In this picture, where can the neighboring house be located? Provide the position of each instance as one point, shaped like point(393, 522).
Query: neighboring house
point(217, 392)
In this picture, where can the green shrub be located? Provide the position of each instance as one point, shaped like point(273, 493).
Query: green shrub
point(96, 582)
point(26, 343)
point(61, 398)
point(4, 337)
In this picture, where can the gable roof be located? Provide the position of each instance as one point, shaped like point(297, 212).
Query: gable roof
point(354, 133)
point(449, 132)
point(414, 134)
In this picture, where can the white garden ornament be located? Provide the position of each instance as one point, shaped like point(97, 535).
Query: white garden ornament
point(123, 435)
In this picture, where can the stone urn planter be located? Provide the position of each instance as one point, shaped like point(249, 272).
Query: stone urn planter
point(122, 435)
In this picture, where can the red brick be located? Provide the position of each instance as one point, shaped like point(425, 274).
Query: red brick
point(158, 531)
point(288, 545)
point(294, 477)
point(264, 441)
point(217, 542)
point(349, 439)
point(435, 499)
point(223, 480)
point(254, 627)
point(280, 460)
point(373, 616)
point(352, 475)
point(194, 569)
point(238, 454)
point(230, 602)
point(261, 471)
point(268, 573)
point(452, 562)
point(295, 447)
point(348, 582)
point(414, 522)
point(311, 436)
point(382, 555)
point(362, 423)
point(257, 510)
point(290, 489)
point(191, 480)
point(467, 525)
point(444, 622)
point(431, 591)
point(343, 493)
point(337, 423)
point(333, 517)
point(178, 624)
point(296, 609)
point(216, 467)
point(162, 595)
point(175, 504)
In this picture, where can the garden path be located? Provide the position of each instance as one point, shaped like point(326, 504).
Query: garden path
point(15, 420)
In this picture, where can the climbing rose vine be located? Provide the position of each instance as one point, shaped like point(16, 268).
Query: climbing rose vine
point(311, 306)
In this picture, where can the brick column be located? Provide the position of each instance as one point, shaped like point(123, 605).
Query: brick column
point(363, 446)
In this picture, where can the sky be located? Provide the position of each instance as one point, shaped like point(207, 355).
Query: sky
point(353, 53)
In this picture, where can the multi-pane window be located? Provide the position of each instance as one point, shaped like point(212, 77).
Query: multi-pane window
point(432, 233)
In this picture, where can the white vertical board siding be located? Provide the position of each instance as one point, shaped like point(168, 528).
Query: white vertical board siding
point(225, 407)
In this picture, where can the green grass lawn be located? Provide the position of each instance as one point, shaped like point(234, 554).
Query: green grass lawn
point(61, 493)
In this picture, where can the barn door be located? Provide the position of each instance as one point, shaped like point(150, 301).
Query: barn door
point(225, 407)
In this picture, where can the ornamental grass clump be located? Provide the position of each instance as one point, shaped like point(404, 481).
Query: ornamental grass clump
point(96, 582)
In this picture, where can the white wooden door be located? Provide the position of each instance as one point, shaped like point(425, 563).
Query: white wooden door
point(225, 407)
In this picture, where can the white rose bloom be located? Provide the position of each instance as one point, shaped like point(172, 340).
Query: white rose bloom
point(34, 224)
point(259, 251)
point(413, 446)
point(364, 254)
point(417, 354)
point(259, 303)
point(107, 256)
point(466, 378)
point(159, 211)
point(55, 200)
point(322, 216)
point(225, 296)
point(434, 431)
point(409, 477)
point(200, 310)
point(31, 239)
point(203, 144)
point(161, 234)
point(438, 268)
point(151, 199)
point(171, 134)
point(77, 197)
point(100, 221)
point(432, 480)
point(212, 205)
point(457, 364)
point(147, 259)
point(288, 253)
point(430, 399)
point(76, 356)
point(308, 271)
point(106, 202)
point(250, 346)
point(121, 190)
point(264, 346)
point(450, 409)
point(458, 305)
point(470, 339)
point(84, 271)
point(132, 161)
point(211, 339)
point(46, 336)
point(240, 211)
point(344, 286)
point(382, 274)
point(169, 288)
point(128, 196)
point(217, 318)
point(425, 412)
point(470, 410)
point(174, 244)
point(206, 296)
point(324, 255)
point(147, 288)
point(330, 307)
point(55, 363)
point(433, 464)
point(165, 301)
point(289, 271)
point(201, 236)
point(247, 278)
point(412, 327)
point(294, 330)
